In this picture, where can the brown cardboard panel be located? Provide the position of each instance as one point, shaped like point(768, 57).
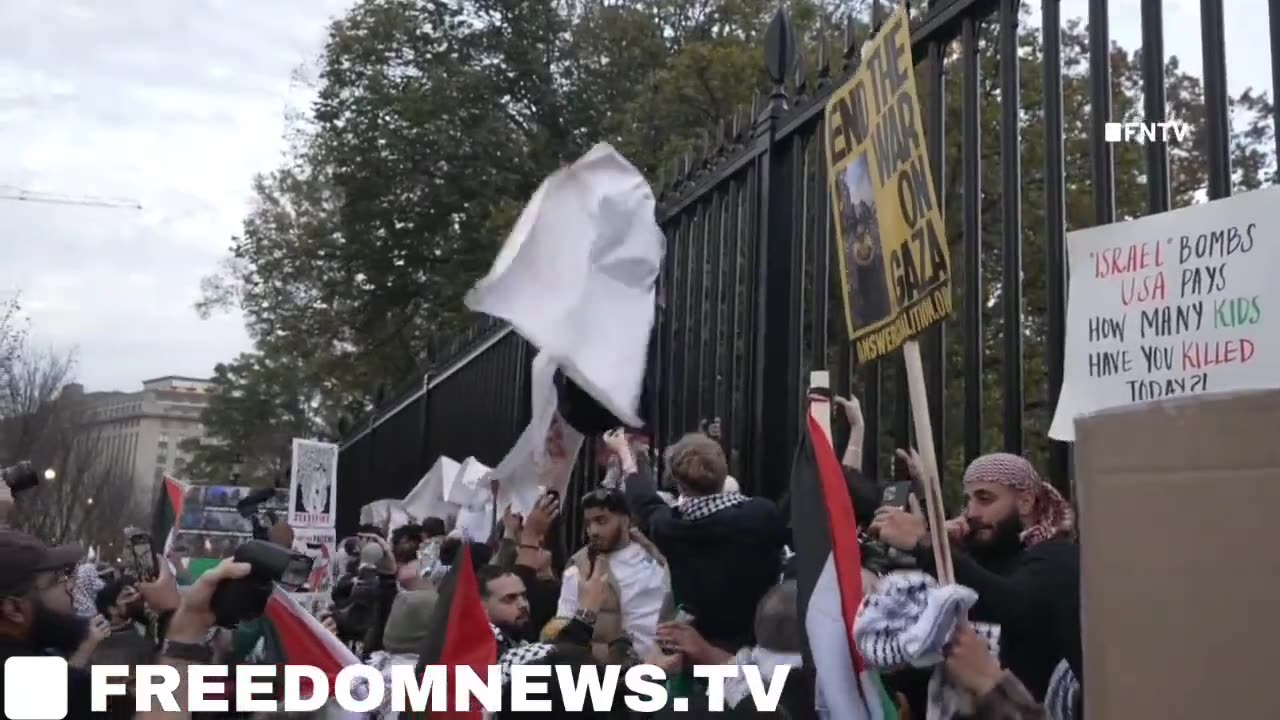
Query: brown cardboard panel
point(1179, 502)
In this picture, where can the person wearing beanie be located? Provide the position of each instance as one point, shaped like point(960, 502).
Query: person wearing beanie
point(1016, 548)
point(406, 629)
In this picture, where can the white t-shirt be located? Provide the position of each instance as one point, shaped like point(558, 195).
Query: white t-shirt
point(642, 586)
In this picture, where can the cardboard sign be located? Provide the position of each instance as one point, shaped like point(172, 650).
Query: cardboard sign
point(1177, 509)
point(313, 484)
point(1170, 304)
point(895, 267)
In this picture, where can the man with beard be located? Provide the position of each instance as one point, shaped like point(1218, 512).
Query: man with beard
point(37, 615)
point(1016, 548)
point(506, 604)
point(638, 584)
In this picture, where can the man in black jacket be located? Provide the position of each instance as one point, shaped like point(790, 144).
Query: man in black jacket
point(724, 549)
point(1018, 552)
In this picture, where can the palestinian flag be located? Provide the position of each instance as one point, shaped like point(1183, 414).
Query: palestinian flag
point(167, 510)
point(459, 632)
point(293, 636)
point(829, 575)
point(287, 634)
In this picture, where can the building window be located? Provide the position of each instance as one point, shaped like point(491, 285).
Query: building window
point(161, 459)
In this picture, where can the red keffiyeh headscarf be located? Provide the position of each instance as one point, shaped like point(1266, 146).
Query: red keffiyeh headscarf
point(1053, 516)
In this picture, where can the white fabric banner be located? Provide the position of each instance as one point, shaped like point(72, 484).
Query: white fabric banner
point(426, 499)
point(544, 454)
point(576, 277)
point(1170, 304)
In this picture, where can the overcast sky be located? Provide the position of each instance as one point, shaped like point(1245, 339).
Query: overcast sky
point(176, 104)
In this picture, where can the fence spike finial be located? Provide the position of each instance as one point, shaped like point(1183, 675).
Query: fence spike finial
point(824, 53)
point(721, 134)
point(801, 81)
point(755, 106)
point(780, 53)
point(851, 44)
point(739, 126)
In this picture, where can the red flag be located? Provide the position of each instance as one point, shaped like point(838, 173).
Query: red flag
point(460, 633)
point(829, 576)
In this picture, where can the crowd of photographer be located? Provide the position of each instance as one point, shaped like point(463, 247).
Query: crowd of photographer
point(690, 574)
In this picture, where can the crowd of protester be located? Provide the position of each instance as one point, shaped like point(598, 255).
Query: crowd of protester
point(676, 570)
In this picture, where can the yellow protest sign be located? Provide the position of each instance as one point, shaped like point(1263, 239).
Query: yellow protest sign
point(894, 262)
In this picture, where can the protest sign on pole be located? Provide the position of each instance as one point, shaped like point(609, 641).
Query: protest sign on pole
point(895, 268)
point(313, 484)
point(1169, 304)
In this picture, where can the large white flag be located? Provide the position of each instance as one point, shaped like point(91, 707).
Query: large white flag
point(576, 277)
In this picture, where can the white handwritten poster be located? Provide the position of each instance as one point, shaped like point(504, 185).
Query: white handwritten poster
point(1171, 304)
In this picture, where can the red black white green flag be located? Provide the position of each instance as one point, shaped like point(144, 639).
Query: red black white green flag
point(829, 576)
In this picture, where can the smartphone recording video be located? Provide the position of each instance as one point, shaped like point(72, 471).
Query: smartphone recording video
point(142, 559)
point(896, 495)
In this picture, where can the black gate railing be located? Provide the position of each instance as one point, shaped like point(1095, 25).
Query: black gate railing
point(749, 296)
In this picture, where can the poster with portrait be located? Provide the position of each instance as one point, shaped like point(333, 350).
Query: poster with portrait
point(313, 485)
point(320, 545)
point(895, 264)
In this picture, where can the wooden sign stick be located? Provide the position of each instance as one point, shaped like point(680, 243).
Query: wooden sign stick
point(934, 511)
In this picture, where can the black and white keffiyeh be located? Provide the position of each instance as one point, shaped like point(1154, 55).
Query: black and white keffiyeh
point(522, 655)
point(512, 652)
point(737, 689)
point(697, 508)
point(907, 621)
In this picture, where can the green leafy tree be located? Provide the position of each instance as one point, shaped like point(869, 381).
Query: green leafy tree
point(433, 124)
point(257, 406)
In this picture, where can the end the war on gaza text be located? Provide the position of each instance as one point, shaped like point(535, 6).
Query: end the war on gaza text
point(918, 263)
point(1200, 301)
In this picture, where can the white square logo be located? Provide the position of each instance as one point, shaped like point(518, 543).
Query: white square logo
point(1111, 133)
point(35, 688)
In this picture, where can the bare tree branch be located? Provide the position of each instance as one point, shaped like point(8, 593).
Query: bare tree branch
point(43, 420)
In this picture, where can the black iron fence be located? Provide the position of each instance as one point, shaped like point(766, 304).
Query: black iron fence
point(749, 296)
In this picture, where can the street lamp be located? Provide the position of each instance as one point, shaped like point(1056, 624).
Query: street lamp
point(49, 474)
point(90, 501)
